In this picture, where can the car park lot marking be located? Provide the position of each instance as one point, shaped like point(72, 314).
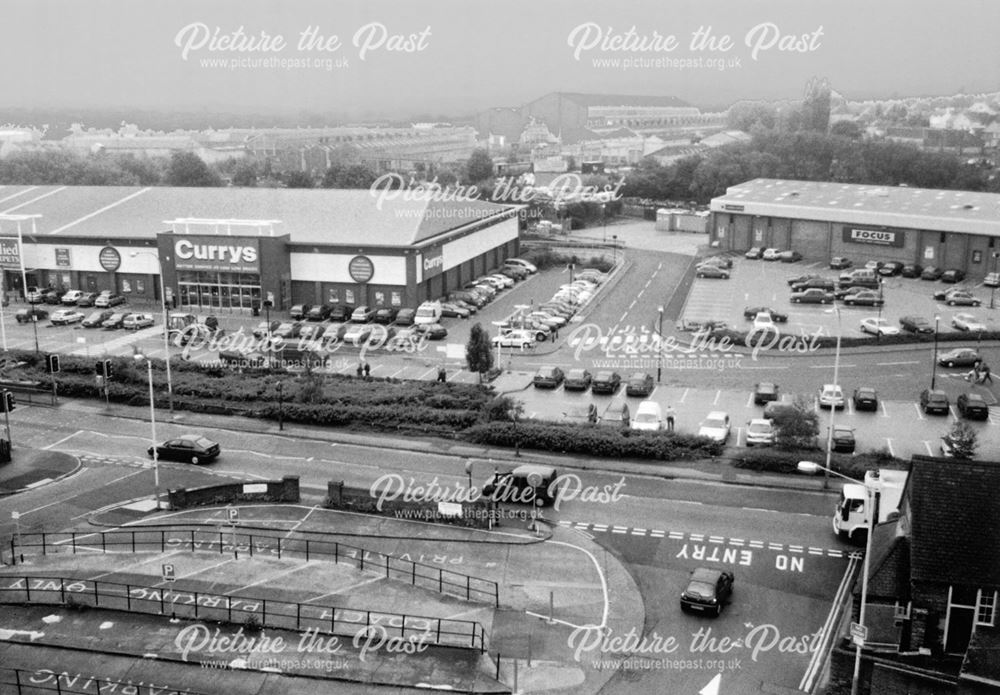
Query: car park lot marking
point(700, 538)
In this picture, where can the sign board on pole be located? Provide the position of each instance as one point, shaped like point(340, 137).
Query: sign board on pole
point(859, 633)
point(232, 515)
point(168, 573)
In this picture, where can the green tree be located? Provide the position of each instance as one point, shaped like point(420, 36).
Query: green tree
point(298, 179)
point(348, 175)
point(245, 175)
point(479, 167)
point(188, 169)
point(964, 440)
point(846, 129)
point(797, 425)
point(479, 351)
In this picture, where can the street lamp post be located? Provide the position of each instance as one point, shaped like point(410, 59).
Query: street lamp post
point(878, 323)
point(993, 289)
point(833, 406)
point(152, 427)
point(604, 224)
point(166, 328)
point(659, 344)
point(614, 249)
point(937, 319)
point(34, 325)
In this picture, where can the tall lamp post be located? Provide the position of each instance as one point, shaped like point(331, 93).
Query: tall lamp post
point(833, 407)
point(873, 491)
point(993, 288)
point(659, 343)
point(152, 427)
point(166, 328)
point(937, 320)
point(34, 325)
point(604, 224)
point(614, 250)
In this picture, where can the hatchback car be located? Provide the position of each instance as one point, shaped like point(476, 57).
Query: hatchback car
point(754, 253)
point(864, 298)
point(912, 270)
point(931, 273)
point(957, 297)
point(116, 320)
point(577, 380)
point(967, 322)
point(765, 392)
point(891, 268)
point(71, 297)
point(916, 324)
point(136, 321)
point(88, 299)
point(320, 312)
point(865, 398)
point(548, 377)
point(712, 271)
point(433, 331)
point(839, 263)
point(404, 317)
point(648, 417)
point(640, 384)
point(760, 431)
point(953, 275)
point(355, 333)
point(842, 439)
point(581, 414)
point(771, 254)
point(516, 338)
point(959, 357)
point(934, 401)
point(452, 310)
point(750, 313)
point(385, 315)
point(789, 256)
point(972, 406)
point(812, 296)
point(616, 415)
point(299, 311)
point(341, 313)
point(877, 326)
point(605, 382)
point(831, 396)
point(992, 280)
point(96, 318)
point(715, 426)
point(192, 448)
point(108, 299)
point(363, 314)
point(64, 317)
point(708, 590)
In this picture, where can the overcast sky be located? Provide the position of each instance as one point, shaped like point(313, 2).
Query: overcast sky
point(466, 55)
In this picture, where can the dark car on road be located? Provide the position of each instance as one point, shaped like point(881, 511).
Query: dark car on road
point(916, 324)
point(972, 406)
point(527, 484)
point(959, 357)
point(750, 313)
point(865, 398)
point(934, 401)
point(891, 268)
point(97, 318)
point(864, 298)
point(577, 380)
point(953, 275)
point(912, 270)
point(192, 448)
point(605, 382)
point(931, 273)
point(707, 591)
point(765, 392)
point(25, 315)
point(840, 263)
point(812, 296)
point(640, 384)
point(754, 253)
point(843, 439)
point(116, 320)
point(548, 377)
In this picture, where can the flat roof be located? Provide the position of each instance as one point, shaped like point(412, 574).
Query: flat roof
point(890, 206)
point(309, 216)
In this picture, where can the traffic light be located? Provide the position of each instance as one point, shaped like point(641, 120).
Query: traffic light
point(52, 363)
point(8, 401)
point(103, 368)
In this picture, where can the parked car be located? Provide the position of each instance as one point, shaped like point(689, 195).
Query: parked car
point(874, 266)
point(364, 314)
point(404, 317)
point(433, 331)
point(789, 256)
point(812, 296)
point(288, 330)
point(136, 321)
point(548, 377)
point(51, 296)
point(916, 324)
point(992, 280)
point(760, 431)
point(64, 317)
point(878, 326)
point(931, 273)
point(754, 253)
point(526, 484)
point(648, 417)
point(581, 414)
point(890, 269)
point(799, 279)
point(765, 392)
point(116, 320)
point(32, 314)
point(959, 357)
point(341, 313)
point(711, 271)
point(577, 380)
point(515, 272)
point(707, 591)
point(521, 263)
point(842, 439)
point(386, 315)
point(640, 384)
point(865, 398)
point(721, 261)
point(972, 406)
point(864, 298)
point(616, 415)
point(192, 448)
point(967, 322)
point(264, 329)
point(934, 401)
point(764, 322)
point(516, 338)
point(750, 313)
point(771, 254)
point(105, 300)
point(71, 297)
point(504, 280)
point(831, 396)
point(715, 426)
point(959, 298)
point(605, 382)
point(845, 290)
point(953, 275)
point(97, 318)
point(454, 311)
point(355, 333)
point(912, 270)
point(826, 284)
point(320, 312)
point(299, 311)
point(87, 300)
point(840, 262)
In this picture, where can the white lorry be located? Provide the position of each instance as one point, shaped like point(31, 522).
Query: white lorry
point(850, 519)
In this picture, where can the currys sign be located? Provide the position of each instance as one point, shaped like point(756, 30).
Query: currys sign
point(879, 237)
point(238, 254)
point(432, 262)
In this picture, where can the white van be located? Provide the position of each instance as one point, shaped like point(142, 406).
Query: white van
point(521, 263)
point(428, 312)
point(648, 416)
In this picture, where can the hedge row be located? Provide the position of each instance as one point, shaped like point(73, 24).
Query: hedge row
point(775, 461)
point(593, 441)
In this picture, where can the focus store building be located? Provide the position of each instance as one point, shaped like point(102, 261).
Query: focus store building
point(232, 248)
point(928, 227)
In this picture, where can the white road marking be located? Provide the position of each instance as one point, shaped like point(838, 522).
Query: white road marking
point(68, 436)
point(888, 443)
point(888, 364)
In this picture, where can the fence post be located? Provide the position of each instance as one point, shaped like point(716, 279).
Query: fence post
point(43, 543)
point(220, 542)
point(496, 594)
point(468, 586)
point(386, 566)
point(104, 546)
point(27, 589)
point(161, 602)
point(97, 596)
point(361, 566)
point(263, 612)
point(74, 542)
point(250, 542)
point(62, 589)
point(413, 573)
point(402, 627)
point(298, 615)
point(336, 552)
point(307, 550)
point(333, 619)
point(229, 607)
point(133, 542)
point(440, 581)
point(438, 641)
point(13, 553)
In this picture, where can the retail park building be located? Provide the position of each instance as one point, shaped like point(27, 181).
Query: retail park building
point(929, 227)
point(233, 248)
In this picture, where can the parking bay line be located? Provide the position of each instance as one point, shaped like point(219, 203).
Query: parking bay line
point(892, 364)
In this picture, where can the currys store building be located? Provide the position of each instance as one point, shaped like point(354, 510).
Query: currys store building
point(230, 249)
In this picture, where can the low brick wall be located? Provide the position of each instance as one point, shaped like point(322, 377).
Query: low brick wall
point(477, 514)
point(284, 490)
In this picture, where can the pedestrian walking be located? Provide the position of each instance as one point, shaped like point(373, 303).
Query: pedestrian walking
point(361, 369)
point(986, 374)
point(442, 374)
point(670, 413)
point(368, 369)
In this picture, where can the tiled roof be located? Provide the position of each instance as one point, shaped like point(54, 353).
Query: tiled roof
point(955, 537)
point(889, 573)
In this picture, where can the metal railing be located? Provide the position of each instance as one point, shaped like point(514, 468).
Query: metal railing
point(260, 611)
point(33, 682)
point(261, 542)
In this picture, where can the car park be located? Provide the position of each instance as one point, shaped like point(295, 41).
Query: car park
point(934, 401)
point(577, 380)
point(548, 377)
point(972, 406)
point(96, 318)
point(135, 321)
point(916, 324)
point(754, 253)
point(648, 417)
point(640, 384)
point(116, 320)
point(616, 415)
point(192, 448)
point(64, 317)
point(299, 311)
point(71, 297)
point(385, 315)
point(760, 431)
point(812, 296)
point(750, 313)
point(404, 317)
point(959, 357)
point(840, 263)
point(605, 382)
point(715, 426)
point(912, 270)
point(319, 312)
point(967, 322)
point(707, 591)
point(771, 254)
point(789, 256)
point(764, 392)
point(712, 271)
point(530, 484)
point(842, 439)
point(878, 326)
point(931, 273)
point(890, 269)
point(992, 280)
point(433, 331)
point(864, 298)
point(865, 398)
point(953, 275)
point(831, 396)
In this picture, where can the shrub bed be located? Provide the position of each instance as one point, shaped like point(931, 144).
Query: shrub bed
point(776, 461)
